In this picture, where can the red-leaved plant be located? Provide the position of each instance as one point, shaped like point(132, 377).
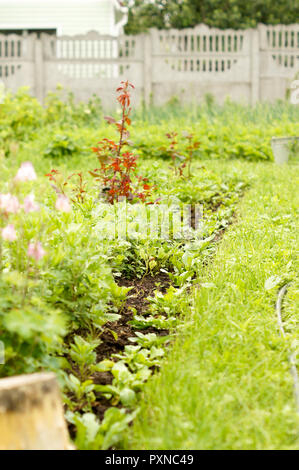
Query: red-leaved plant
point(179, 161)
point(191, 148)
point(117, 171)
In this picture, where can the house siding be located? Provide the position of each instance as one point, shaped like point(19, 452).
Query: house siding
point(69, 17)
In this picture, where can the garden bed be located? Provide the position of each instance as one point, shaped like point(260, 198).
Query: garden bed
point(103, 312)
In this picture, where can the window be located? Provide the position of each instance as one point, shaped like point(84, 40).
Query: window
point(23, 32)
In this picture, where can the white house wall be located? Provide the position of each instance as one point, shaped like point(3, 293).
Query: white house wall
point(68, 17)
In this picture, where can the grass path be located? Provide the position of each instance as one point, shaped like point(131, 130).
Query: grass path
point(226, 382)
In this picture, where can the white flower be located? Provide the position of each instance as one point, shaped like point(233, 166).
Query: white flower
point(9, 233)
point(62, 203)
point(26, 172)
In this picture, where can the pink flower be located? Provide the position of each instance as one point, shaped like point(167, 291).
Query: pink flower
point(62, 203)
point(26, 172)
point(29, 204)
point(9, 233)
point(9, 203)
point(36, 251)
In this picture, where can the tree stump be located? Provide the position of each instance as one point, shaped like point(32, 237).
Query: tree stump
point(31, 414)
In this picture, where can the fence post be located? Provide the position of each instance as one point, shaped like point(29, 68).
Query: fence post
point(31, 413)
point(39, 69)
point(255, 66)
point(147, 69)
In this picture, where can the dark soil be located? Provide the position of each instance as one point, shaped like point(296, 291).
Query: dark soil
point(136, 299)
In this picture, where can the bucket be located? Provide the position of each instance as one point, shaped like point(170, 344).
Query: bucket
point(281, 148)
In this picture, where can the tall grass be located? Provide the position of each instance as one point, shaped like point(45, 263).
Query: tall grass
point(226, 383)
point(260, 114)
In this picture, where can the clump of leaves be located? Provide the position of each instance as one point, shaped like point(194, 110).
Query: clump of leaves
point(61, 107)
point(20, 116)
point(83, 355)
point(93, 435)
point(31, 330)
point(126, 384)
point(159, 322)
point(61, 146)
point(117, 170)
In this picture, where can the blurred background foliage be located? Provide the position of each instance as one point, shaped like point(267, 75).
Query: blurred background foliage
point(236, 14)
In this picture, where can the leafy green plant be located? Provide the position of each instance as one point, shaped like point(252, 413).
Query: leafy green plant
point(80, 393)
point(137, 357)
point(83, 355)
point(61, 146)
point(93, 435)
point(125, 384)
point(160, 322)
point(148, 340)
point(20, 116)
point(174, 302)
point(31, 330)
point(61, 107)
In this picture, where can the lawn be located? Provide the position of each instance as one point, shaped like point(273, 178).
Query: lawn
point(124, 313)
point(226, 383)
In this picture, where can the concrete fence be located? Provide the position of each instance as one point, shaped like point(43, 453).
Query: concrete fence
point(247, 65)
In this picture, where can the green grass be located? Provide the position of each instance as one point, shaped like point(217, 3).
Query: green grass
point(226, 382)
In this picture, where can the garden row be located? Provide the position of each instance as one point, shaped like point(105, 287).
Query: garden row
point(70, 129)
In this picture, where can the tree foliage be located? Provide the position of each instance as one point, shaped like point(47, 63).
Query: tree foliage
point(236, 14)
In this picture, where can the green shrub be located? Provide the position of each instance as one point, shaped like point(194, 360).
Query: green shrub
point(61, 146)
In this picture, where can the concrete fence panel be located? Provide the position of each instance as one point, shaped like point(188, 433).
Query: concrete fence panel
point(247, 65)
